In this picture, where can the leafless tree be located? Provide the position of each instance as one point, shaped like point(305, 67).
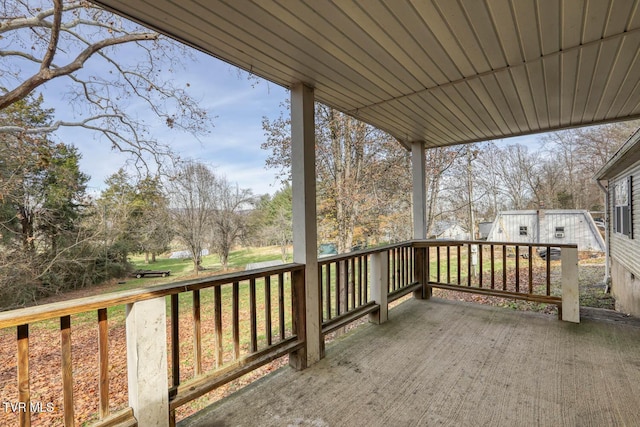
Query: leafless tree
point(57, 43)
point(349, 155)
point(488, 182)
point(514, 167)
point(229, 217)
point(192, 199)
point(580, 153)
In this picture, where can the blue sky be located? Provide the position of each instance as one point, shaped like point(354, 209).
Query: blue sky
point(233, 146)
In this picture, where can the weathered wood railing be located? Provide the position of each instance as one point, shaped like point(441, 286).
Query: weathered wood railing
point(275, 327)
point(263, 327)
point(503, 269)
point(363, 282)
point(265, 309)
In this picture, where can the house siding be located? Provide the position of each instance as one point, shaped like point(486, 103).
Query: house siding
point(624, 250)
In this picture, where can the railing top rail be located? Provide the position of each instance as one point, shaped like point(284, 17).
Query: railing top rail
point(430, 243)
point(27, 315)
point(354, 254)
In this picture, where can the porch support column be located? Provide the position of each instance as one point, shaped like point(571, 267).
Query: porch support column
point(303, 172)
point(570, 290)
point(147, 361)
point(380, 286)
point(419, 190)
point(419, 217)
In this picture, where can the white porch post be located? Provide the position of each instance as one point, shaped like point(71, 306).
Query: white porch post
point(147, 361)
point(380, 286)
point(419, 190)
point(570, 290)
point(305, 238)
point(419, 217)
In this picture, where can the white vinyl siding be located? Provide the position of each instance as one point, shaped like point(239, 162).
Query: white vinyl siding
point(623, 248)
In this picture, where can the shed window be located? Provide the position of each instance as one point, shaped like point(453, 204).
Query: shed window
point(622, 207)
point(523, 230)
point(559, 232)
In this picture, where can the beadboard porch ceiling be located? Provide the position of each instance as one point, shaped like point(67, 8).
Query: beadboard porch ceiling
point(441, 71)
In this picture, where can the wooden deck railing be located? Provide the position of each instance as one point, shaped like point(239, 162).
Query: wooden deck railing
point(263, 327)
point(219, 328)
point(502, 269)
point(266, 315)
point(346, 282)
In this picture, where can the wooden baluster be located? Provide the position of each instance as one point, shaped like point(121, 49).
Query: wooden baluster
point(24, 392)
point(323, 293)
point(548, 262)
point(469, 256)
point(438, 263)
point(393, 269)
point(412, 269)
point(197, 334)
point(504, 267)
point(175, 340)
point(281, 305)
point(530, 269)
point(389, 272)
point(338, 287)
point(427, 266)
point(254, 315)
point(458, 266)
point(493, 267)
point(217, 325)
point(235, 320)
point(327, 285)
point(366, 278)
point(400, 270)
point(410, 265)
point(352, 282)
point(67, 370)
point(359, 281)
point(517, 269)
point(448, 264)
point(103, 362)
point(480, 265)
point(400, 254)
point(267, 309)
point(403, 263)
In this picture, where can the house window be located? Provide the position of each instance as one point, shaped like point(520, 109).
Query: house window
point(622, 207)
point(523, 230)
point(560, 232)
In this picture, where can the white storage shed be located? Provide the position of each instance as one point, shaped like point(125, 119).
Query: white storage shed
point(548, 226)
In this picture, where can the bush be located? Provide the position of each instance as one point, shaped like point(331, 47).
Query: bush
point(25, 278)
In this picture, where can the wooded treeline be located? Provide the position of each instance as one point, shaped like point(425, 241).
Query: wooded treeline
point(54, 236)
point(364, 177)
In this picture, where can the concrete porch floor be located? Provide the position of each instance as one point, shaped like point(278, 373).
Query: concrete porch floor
point(440, 362)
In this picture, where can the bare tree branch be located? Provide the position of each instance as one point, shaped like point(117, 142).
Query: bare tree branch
point(46, 74)
point(55, 36)
point(46, 43)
